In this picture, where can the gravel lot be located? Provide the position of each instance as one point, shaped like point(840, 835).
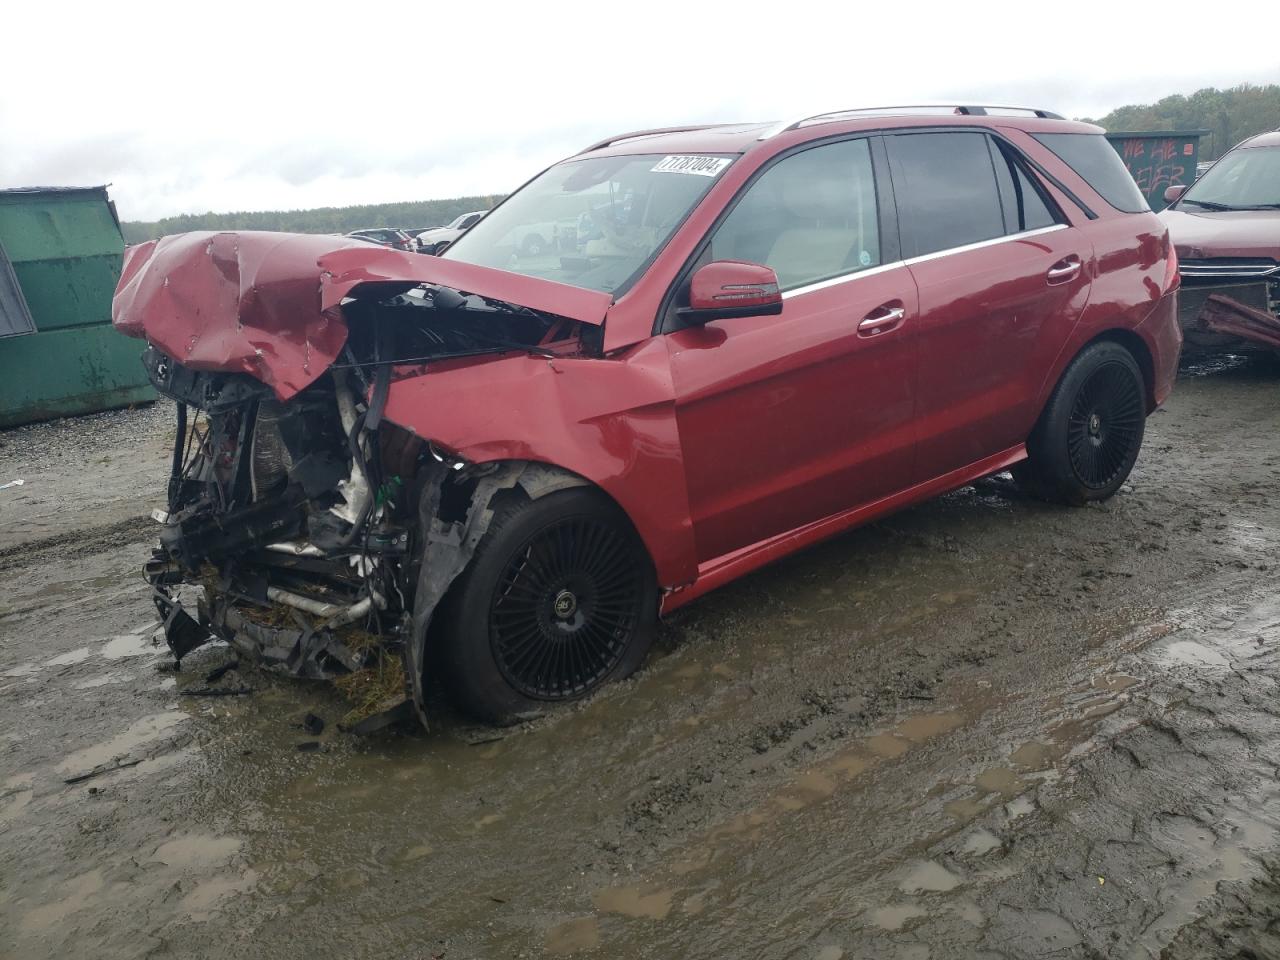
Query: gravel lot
point(984, 727)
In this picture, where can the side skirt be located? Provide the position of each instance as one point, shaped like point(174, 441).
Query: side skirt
point(720, 570)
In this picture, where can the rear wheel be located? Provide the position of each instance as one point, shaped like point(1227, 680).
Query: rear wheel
point(1088, 438)
point(560, 598)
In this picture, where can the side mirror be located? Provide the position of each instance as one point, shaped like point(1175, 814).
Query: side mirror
point(731, 288)
point(1173, 193)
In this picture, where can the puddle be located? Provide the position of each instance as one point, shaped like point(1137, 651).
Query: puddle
point(200, 902)
point(1034, 755)
point(929, 877)
point(196, 850)
point(1000, 780)
point(80, 894)
point(101, 680)
point(980, 842)
point(573, 936)
point(1192, 654)
point(887, 745)
point(634, 902)
point(896, 917)
point(929, 725)
point(140, 733)
point(130, 645)
point(1019, 807)
point(73, 656)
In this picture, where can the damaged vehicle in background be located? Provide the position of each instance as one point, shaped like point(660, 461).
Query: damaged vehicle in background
point(1226, 229)
point(498, 471)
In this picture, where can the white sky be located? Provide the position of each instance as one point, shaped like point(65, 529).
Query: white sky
point(229, 105)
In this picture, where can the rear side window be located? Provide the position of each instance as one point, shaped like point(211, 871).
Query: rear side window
point(1025, 205)
point(945, 184)
point(1098, 164)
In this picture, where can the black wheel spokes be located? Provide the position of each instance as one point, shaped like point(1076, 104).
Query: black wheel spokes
point(1104, 423)
point(564, 608)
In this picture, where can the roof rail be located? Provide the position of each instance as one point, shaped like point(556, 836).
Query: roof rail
point(964, 110)
point(618, 138)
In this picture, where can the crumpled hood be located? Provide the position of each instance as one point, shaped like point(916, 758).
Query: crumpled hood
point(1205, 234)
point(269, 304)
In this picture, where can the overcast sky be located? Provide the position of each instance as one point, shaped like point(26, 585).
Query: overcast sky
point(224, 106)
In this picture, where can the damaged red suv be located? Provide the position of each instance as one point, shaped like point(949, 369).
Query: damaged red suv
point(500, 467)
point(1226, 230)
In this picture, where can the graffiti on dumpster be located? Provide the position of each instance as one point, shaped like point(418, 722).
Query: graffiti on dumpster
point(1158, 162)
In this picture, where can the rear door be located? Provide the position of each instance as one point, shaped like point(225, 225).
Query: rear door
point(788, 419)
point(1002, 281)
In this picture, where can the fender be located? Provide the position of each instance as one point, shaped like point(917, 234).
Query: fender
point(610, 421)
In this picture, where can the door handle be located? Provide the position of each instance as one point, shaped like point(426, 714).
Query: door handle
point(882, 319)
point(1065, 270)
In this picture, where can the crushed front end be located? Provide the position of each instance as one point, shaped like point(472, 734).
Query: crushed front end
point(293, 519)
point(301, 527)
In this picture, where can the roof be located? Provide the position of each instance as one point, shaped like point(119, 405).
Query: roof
point(1264, 140)
point(739, 138)
point(18, 191)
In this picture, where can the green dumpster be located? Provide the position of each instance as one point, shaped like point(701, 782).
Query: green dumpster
point(60, 255)
point(1159, 159)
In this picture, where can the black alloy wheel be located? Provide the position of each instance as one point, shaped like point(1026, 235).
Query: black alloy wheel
point(564, 608)
point(1106, 418)
point(560, 598)
point(1088, 436)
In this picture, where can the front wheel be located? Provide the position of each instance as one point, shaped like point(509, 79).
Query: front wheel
point(559, 598)
point(1087, 440)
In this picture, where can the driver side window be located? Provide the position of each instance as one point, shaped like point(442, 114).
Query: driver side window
point(811, 216)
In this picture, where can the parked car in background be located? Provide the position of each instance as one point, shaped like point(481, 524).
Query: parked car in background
point(503, 469)
point(432, 241)
point(386, 236)
point(1226, 228)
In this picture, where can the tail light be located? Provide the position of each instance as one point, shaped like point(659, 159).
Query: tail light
point(1172, 279)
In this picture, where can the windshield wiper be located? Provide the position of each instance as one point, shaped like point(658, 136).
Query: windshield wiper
point(1209, 204)
point(1259, 206)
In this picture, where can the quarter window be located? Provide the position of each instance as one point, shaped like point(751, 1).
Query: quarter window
point(945, 185)
point(811, 216)
point(1098, 164)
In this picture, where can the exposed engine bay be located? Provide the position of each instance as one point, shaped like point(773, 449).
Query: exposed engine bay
point(315, 536)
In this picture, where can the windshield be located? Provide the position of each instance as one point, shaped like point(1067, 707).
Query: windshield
point(1242, 180)
point(592, 223)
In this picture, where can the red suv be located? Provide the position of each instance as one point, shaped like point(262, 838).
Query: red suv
point(500, 468)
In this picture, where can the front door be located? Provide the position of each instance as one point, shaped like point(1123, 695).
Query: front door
point(788, 419)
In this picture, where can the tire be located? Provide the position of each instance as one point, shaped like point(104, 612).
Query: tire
point(559, 598)
point(1088, 437)
point(532, 245)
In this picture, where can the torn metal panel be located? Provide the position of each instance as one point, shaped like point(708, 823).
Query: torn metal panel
point(270, 304)
point(1229, 317)
point(448, 546)
point(234, 302)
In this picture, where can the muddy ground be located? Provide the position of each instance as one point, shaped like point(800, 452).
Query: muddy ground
point(985, 727)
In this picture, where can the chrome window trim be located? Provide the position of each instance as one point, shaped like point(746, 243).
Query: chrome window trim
point(937, 254)
point(847, 277)
point(1244, 271)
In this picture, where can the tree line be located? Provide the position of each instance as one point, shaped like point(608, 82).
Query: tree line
point(1229, 115)
point(419, 214)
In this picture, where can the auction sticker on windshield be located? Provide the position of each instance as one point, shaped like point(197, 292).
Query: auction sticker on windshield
point(699, 166)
